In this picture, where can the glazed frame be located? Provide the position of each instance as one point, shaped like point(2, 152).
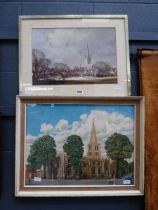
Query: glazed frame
point(118, 22)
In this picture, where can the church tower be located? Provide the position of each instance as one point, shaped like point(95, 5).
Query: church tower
point(93, 146)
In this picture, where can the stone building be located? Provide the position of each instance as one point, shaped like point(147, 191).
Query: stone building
point(62, 162)
point(94, 165)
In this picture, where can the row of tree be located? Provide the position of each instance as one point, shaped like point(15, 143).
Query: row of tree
point(43, 153)
point(43, 68)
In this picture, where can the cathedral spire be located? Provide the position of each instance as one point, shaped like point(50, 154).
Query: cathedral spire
point(88, 56)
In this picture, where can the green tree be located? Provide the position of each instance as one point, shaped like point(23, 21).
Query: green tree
point(118, 148)
point(74, 149)
point(42, 153)
point(123, 167)
point(131, 168)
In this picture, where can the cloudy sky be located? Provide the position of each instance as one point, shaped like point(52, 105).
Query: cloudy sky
point(60, 121)
point(69, 46)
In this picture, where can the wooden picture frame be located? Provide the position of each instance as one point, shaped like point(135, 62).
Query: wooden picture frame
point(68, 146)
point(148, 62)
point(73, 55)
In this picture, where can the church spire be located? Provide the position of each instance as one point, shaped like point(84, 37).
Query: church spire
point(93, 146)
point(93, 138)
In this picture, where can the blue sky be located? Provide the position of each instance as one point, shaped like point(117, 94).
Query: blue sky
point(51, 114)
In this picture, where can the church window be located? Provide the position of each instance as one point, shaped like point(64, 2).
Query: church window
point(84, 165)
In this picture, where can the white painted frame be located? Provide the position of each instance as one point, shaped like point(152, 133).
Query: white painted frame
point(107, 191)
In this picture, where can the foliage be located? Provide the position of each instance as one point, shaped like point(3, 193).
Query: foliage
point(131, 168)
point(118, 148)
point(123, 167)
point(74, 149)
point(42, 152)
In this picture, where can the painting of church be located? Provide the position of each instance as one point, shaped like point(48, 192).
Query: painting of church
point(93, 165)
point(68, 144)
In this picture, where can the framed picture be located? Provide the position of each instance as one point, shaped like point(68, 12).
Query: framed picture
point(73, 146)
point(74, 55)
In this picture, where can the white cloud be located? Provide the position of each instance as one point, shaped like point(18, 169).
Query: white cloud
point(62, 125)
point(60, 139)
point(30, 139)
point(83, 117)
point(46, 128)
point(75, 125)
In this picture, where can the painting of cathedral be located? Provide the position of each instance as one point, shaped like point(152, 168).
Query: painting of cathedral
point(54, 141)
point(58, 58)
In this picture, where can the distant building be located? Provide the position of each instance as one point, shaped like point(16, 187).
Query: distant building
point(64, 168)
point(28, 148)
point(62, 162)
